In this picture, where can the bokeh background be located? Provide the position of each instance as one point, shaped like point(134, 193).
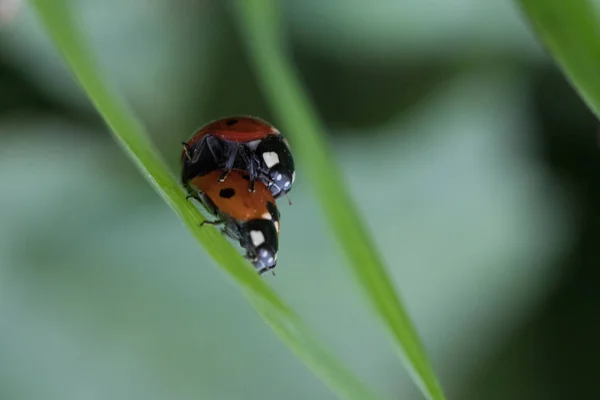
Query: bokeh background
point(472, 160)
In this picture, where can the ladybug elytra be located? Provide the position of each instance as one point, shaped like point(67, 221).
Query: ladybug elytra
point(243, 143)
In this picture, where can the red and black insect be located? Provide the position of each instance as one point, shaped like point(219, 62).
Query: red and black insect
point(252, 218)
point(244, 143)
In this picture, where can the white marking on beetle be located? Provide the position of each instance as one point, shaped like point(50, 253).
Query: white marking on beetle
point(266, 216)
point(271, 158)
point(293, 176)
point(278, 177)
point(257, 238)
point(286, 184)
point(276, 226)
point(270, 260)
point(276, 256)
point(253, 144)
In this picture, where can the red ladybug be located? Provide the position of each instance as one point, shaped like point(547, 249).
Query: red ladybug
point(250, 218)
point(244, 143)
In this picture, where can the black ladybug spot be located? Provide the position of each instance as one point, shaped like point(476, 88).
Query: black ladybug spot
point(227, 193)
point(273, 210)
point(246, 177)
point(230, 122)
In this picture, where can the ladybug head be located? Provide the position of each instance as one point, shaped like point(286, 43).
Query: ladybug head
point(280, 180)
point(277, 164)
point(261, 241)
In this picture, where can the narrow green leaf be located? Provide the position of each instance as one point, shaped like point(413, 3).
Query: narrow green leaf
point(571, 32)
point(58, 20)
point(261, 31)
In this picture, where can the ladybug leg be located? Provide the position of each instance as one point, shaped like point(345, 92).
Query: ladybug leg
point(187, 150)
point(213, 223)
point(229, 163)
point(198, 151)
point(252, 169)
point(190, 194)
point(250, 257)
point(253, 174)
point(193, 196)
point(193, 154)
point(213, 146)
point(252, 179)
point(224, 175)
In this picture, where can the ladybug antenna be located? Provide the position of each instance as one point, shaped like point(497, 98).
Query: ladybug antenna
point(288, 198)
point(282, 191)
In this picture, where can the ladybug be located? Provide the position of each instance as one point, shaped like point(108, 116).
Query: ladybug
point(250, 218)
point(245, 143)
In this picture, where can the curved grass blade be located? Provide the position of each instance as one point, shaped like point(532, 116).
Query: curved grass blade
point(570, 30)
point(261, 31)
point(60, 25)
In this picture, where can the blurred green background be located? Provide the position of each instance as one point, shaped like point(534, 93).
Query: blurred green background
point(473, 161)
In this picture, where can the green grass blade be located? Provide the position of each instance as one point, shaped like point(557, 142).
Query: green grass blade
point(262, 33)
point(56, 16)
point(570, 31)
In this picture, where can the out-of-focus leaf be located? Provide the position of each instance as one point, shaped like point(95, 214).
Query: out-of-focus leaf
point(571, 31)
point(144, 47)
point(385, 30)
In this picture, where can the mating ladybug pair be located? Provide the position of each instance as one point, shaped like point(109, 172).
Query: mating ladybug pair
point(237, 167)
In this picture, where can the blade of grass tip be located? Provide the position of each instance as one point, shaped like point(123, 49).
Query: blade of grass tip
point(290, 328)
point(571, 32)
point(261, 32)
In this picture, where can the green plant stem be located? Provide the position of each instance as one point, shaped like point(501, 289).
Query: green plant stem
point(56, 16)
point(260, 24)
